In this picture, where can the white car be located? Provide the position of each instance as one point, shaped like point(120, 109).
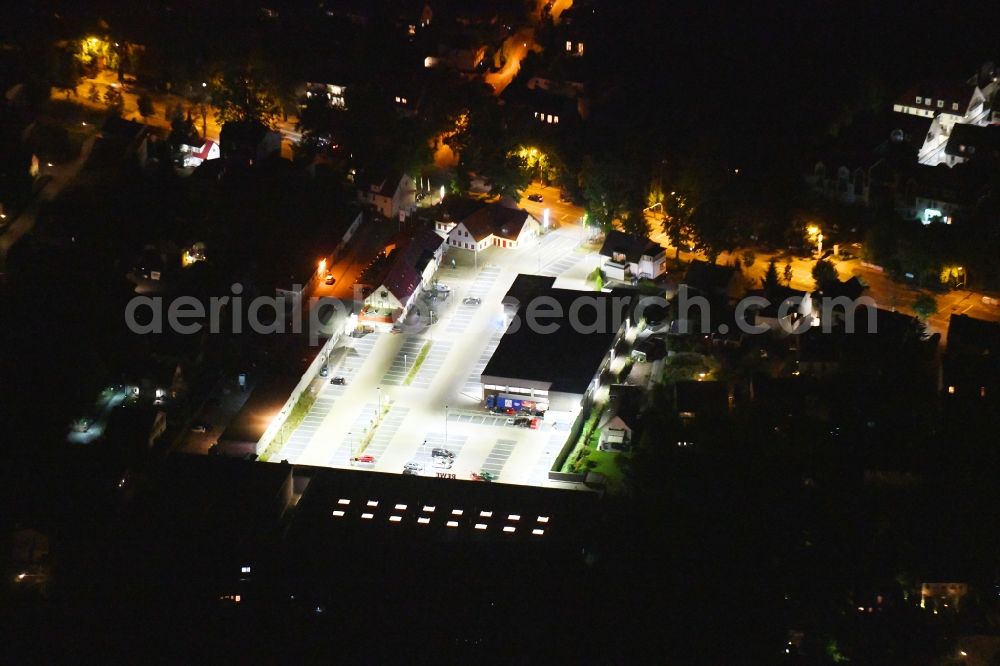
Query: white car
point(442, 463)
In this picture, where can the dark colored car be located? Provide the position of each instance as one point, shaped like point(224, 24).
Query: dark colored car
point(337, 380)
point(537, 198)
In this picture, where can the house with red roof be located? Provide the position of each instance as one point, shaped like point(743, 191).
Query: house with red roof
point(495, 224)
point(408, 267)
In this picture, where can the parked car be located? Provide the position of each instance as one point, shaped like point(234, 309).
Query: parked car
point(483, 476)
point(522, 421)
point(329, 279)
point(537, 198)
point(365, 459)
point(442, 463)
point(510, 420)
point(200, 427)
point(533, 424)
point(471, 300)
point(442, 453)
point(412, 468)
point(324, 370)
point(339, 381)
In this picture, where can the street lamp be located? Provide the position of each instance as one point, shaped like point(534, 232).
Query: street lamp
point(817, 236)
point(446, 426)
point(350, 448)
point(379, 403)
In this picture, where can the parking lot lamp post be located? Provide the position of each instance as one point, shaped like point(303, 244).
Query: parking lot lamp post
point(350, 448)
point(379, 403)
point(446, 426)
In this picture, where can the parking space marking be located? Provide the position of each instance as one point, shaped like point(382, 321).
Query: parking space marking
point(498, 456)
point(435, 440)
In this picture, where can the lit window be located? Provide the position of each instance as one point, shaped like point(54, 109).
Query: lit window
point(569, 46)
point(513, 516)
point(556, 119)
point(480, 526)
point(400, 507)
point(537, 532)
point(423, 520)
point(372, 502)
point(982, 391)
point(395, 519)
point(338, 514)
point(951, 390)
point(920, 100)
point(508, 529)
point(245, 569)
point(368, 516)
point(954, 106)
point(456, 512)
point(343, 501)
point(940, 103)
point(452, 523)
point(485, 514)
point(543, 519)
point(549, 117)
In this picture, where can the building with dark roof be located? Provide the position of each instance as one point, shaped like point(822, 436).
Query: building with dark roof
point(248, 142)
point(968, 142)
point(556, 346)
point(405, 270)
point(627, 257)
point(494, 224)
point(972, 361)
point(712, 280)
point(264, 404)
point(391, 194)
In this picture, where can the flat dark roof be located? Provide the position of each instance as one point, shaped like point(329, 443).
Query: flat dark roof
point(558, 514)
point(568, 356)
point(264, 403)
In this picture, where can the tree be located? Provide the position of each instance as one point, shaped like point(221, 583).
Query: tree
point(509, 177)
point(925, 306)
point(242, 96)
point(93, 94)
point(824, 272)
point(145, 103)
point(787, 273)
point(770, 281)
point(114, 99)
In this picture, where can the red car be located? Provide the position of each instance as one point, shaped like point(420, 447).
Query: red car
point(509, 411)
point(365, 459)
point(533, 424)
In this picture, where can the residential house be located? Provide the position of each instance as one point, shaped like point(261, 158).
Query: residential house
point(626, 257)
point(408, 267)
point(948, 105)
point(495, 224)
point(620, 421)
point(461, 51)
point(713, 280)
point(248, 142)
point(194, 155)
point(937, 194)
point(968, 142)
point(972, 362)
point(392, 195)
point(451, 210)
